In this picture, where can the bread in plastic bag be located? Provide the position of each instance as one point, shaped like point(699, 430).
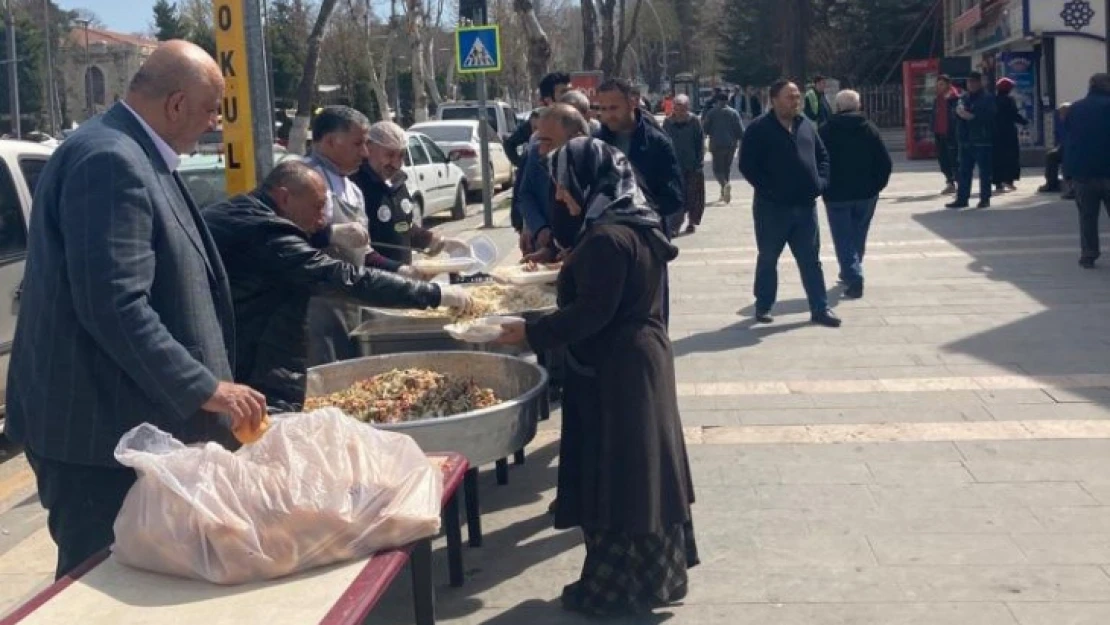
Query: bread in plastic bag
point(317, 488)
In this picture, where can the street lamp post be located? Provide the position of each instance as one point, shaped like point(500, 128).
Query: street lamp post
point(51, 96)
point(88, 77)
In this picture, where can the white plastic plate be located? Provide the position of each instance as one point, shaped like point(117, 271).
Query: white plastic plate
point(439, 265)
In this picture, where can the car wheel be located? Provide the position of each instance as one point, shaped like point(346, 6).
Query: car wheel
point(418, 212)
point(458, 211)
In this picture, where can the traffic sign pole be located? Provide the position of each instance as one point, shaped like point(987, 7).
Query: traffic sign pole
point(262, 126)
point(487, 174)
point(477, 51)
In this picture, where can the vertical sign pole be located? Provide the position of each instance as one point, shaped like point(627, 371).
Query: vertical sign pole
point(260, 94)
point(238, 124)
point(13, 75)
point(487, 174)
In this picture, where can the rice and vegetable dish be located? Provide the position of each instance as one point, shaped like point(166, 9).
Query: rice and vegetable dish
point(406, 395)
point(498, 299)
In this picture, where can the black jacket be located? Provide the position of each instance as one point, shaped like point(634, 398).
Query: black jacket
point(653, 157)
point(1087, 146)
point(860, 163)
point(979, 130)
point(389, 215)
point(273, 270)
point(785, 168)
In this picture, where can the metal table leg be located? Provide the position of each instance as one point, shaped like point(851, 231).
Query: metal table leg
point(473, 511)
point(518, 457)
point(502, 468)
point(423, 588)
point(454, 541)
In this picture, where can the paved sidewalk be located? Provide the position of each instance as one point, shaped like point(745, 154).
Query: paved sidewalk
point(942, 459)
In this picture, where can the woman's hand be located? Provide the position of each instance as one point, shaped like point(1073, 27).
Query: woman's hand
point(566, 199)
point(512, 334)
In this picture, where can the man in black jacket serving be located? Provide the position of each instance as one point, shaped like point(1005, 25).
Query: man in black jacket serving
point(786, 162)
point(264, 240)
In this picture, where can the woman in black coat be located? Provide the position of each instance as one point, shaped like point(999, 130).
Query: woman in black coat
point(624, 477)
point(1007, 150)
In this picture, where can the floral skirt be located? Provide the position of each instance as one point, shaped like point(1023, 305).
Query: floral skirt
point(632, 574)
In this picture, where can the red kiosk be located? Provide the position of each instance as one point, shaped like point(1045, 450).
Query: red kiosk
point(919, 82)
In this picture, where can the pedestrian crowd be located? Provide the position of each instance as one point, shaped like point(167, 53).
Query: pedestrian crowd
point(145, 307)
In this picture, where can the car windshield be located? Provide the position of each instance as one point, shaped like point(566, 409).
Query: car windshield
point(469, 112)
point(207, 186)
point(446, 133)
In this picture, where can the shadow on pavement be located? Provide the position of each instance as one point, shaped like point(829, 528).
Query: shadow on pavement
point(1068, 337)
point(507, 553)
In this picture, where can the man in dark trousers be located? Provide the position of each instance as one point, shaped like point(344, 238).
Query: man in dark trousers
point(649, 149)
point(389, 206)
point(724, 128)
point(125, 315)
point(1087, 161)
point(860, 169)
point(686, 134)
point(552, 87)
point(817, 103)
point(975, 128)
point(786, 162)
point(944, 131)
point(274, 268)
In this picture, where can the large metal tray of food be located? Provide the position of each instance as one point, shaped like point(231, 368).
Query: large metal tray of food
point(483, 435)
point(490, 299)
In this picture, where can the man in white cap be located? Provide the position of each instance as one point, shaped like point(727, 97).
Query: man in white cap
point(390, 204)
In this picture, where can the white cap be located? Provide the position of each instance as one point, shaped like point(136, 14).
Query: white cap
point(388, 135)
point(682, 98)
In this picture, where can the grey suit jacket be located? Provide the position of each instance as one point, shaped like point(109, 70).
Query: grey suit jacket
point(126, 315)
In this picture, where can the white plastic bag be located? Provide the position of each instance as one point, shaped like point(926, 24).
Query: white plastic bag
point(318, 488)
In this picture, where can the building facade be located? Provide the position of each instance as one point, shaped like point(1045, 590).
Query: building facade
point(96, 70)
point(1049, 47)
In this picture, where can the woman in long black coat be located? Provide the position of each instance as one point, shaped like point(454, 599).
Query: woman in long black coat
point(624, 477)
point(1007, 149)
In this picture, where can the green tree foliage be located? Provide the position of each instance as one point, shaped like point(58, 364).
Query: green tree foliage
point(288, 25)
point(168, 22)
point(859, 41)
point(32, 70)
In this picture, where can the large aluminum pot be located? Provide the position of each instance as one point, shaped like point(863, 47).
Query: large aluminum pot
point(483, 436)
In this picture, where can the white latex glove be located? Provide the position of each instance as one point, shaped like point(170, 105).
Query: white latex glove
point(412, 273)
point(455, 297)
point(351, 236)
point(456, 247)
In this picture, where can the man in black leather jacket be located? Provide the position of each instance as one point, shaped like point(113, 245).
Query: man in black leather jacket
point(266, 239)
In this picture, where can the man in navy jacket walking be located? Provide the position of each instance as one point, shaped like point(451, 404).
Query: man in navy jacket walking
point(786, 162)
point(1087, 161)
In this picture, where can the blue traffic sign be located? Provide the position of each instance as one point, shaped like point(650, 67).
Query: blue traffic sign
point(478, 49)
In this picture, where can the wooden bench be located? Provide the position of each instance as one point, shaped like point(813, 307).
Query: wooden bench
point(105, 591)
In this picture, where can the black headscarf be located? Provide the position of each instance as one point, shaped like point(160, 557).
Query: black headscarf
point(604, 184)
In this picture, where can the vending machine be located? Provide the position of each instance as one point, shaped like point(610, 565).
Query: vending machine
point(919, 84)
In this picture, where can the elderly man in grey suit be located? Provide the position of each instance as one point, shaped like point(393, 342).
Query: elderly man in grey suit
point(126, 316)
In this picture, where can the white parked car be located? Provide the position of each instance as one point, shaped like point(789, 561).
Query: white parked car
point(436, 183)
point(500, 115)
point(21, 164)
point(460, 141)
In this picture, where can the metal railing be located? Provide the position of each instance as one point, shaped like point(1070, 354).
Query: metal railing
point(884, 104)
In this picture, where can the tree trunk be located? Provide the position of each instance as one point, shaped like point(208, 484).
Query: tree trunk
point(416, 33)
point(307, 89)
point(607, 12)
point(430, 72)
point(589, 35)
point(625, 38)
point(539, 46)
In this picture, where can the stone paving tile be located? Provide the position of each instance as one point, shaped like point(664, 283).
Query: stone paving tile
point(1073, 519)
point(1034, 450)
point(808, 496)
point(1061, 613)
point(1002, 583)
point(1065, 548)
point(923, 519)
point(945, 549)
point(916, 472)
point(812, 550)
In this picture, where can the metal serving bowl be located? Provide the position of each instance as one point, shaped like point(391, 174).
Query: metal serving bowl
point(483, 436)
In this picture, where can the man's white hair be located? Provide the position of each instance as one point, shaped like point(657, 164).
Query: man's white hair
point(848, 101)
point(388, 135)
point(682, 99)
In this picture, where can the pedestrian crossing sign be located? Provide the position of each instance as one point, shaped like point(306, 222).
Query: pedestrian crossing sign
point(478, 49)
